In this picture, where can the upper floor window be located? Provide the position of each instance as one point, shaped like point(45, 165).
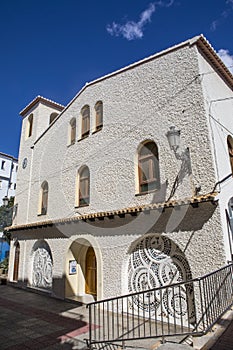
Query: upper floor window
point(52, 117)
point(85, 112)
point(99, 115)
point(84, 186)
point(72, 131)
point(3, 165)
point(230, 150)
point(30, 125)
point(148, 167)
point(44, 198)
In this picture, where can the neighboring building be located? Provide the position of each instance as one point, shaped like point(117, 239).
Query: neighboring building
point(105, 207)
point(8, 176)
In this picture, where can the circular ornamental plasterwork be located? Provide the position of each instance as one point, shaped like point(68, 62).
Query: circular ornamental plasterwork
point(42, 274)
point(157, 262)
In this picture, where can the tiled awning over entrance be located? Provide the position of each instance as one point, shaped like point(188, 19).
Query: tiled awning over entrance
point(210, 197)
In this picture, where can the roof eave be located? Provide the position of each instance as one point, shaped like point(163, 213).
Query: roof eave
point(208, 51)
point(209, 197)
point(44, 100)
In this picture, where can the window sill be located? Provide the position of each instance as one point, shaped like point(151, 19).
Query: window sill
point(97, 130)
point(71, 144)
point(144, 193)
point(83, 137)
point(41, 214)
point(81, 206)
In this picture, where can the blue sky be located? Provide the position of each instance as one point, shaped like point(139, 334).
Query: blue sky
point(52, 48)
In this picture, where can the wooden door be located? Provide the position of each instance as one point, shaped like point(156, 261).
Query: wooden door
point(16, 263)
point(91, 273)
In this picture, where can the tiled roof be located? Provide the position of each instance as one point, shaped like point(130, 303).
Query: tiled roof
point(39, 98)
point(130, 210)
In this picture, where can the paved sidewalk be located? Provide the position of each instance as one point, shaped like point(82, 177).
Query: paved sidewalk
point(39, 322)
point(32, 321)
point(225, 342)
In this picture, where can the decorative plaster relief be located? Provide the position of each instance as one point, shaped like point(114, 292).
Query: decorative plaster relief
point(42, 274)
point(156, 262)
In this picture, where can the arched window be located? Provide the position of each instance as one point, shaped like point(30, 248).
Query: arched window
point(99, 115)
point(72, 131)
point(44, 198)
point(52, 117)
point(29, 126)
point(148, 167)
point(85, 112)
point(84, 186)
point(230, 150)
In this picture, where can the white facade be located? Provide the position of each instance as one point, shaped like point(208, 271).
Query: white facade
point(125, 236)
point(8, 176)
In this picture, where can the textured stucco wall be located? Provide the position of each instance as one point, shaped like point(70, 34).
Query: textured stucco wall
point(41, 114)
point(198, 236)
point(139, 104)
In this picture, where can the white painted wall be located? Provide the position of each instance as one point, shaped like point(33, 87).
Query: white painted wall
point(41, 114)
point(219, 110)
point(8, 176)
point(139, 104)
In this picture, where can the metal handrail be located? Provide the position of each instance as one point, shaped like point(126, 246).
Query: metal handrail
point(162, 287)
point(183, 308)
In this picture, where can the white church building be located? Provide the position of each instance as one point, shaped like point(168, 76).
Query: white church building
point(105, 204)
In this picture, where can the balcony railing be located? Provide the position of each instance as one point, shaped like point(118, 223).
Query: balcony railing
point(185, 308)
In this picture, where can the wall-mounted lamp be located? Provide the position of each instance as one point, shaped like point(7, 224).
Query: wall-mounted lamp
point(5, 201)
point(173, 136)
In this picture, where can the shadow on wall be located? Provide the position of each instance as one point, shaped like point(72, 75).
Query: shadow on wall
point(184, 218)
point(172, 219)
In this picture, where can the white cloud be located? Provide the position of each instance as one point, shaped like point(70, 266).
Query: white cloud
point(226, 58)
point(134, 30)
point(226, 12)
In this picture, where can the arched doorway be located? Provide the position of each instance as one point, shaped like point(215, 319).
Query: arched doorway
point(83, 271)
point(91, 272)
point(16, 263)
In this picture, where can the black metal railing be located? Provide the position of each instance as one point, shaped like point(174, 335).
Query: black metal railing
point(184, 308)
